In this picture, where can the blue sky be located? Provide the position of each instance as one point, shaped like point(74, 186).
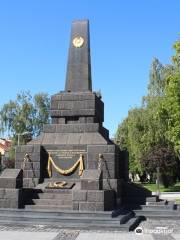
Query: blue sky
point(125, 36)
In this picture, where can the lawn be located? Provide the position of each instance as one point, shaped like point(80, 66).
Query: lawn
point(152, 187)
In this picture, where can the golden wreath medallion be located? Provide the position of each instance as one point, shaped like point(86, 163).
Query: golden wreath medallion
point(78, 42)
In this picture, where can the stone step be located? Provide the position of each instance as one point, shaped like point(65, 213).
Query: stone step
point(52, 218)
point(134, 222)
point(171, 214)
point(66, 222)
point(68, 213)
point(49, 207)
point(160, 203)
point(72, 180)
point(73, 184)
point(152, 199)
point(64, 219)
point(157, 207)
point(134, 200)
point(124, 219)
point(51, 201)
point(60, 191)
point(61, 222)
point(68, 225)
point(57, 196)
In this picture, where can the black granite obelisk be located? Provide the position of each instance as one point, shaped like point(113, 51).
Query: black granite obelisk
point(78, 78)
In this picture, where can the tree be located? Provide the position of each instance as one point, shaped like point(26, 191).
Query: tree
point(25, 114)
point(41, 106)
point(156, 122)
point(170, 109)
point(129, 137)
point(162, 156)
point(142, 128)
point(156, 126)
point(156, 79)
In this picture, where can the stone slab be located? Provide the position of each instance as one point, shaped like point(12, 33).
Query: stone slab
point(68, 105)
point(112, 236)
point(18, 235)
point(78, 107)
point(91, 185)
point(91, 206)
point(78, 112)
point(75, 96)
point(95, 196)
point(91, 174)
point(9, 203)
point(91, 180)
point(176, 236)
point(80, 195)
point(11, 178)
point(12, 198)
point(10, 173)
point(71, 128)
point(54, 185)
point(30, 182)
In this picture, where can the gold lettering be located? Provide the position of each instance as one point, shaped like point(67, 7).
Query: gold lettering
point(66, 153)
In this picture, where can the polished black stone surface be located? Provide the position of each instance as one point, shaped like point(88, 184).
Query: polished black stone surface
point(78, 78)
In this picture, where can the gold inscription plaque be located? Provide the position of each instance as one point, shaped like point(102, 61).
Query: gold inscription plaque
point(66, 153)
point(79, 162)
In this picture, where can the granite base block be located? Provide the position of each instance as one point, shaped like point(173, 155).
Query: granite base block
point(91, 206)
point(10, 198)
point(75, 206)
point(79, 195)
point(91, 185)
point(11, 178)
point(30, 182)
point(95, 196)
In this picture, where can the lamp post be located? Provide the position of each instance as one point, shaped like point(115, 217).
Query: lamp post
point(158, 182)
point(22, 134)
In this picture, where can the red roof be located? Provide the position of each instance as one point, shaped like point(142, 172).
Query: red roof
point(5, 144)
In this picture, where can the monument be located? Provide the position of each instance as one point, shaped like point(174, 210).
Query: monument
point(73, 164)
point(73, 172)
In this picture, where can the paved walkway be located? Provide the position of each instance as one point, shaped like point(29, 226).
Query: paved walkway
point(152, 229)
point(112, 236)
point(17, 235)
point(168, 195)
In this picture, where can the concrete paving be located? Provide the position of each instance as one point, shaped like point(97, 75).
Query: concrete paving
point(16, 235)
point(168, 195)
point(176, 236)
point(113, 236)
point(152, 229)
point(19, 235)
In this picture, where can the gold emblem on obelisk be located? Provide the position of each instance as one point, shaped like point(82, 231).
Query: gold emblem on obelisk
point(78, 42)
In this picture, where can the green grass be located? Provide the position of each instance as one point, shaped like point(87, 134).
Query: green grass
point(152, 187)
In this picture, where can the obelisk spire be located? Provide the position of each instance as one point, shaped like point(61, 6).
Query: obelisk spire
point(78, 77)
